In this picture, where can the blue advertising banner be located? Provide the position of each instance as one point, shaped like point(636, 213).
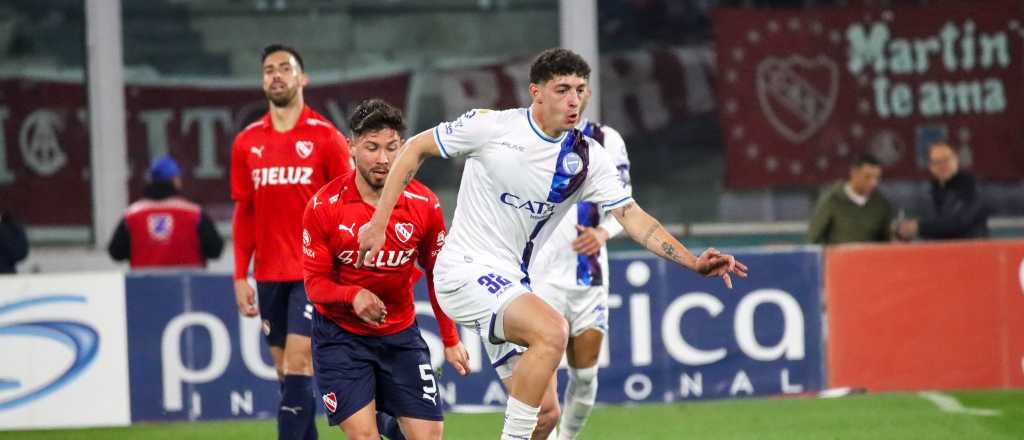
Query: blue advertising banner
point(672, 336)
point(190, 355)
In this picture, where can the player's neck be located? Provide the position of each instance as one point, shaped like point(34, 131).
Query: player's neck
point(285, 118)
point(369, 194)
point(538, 120)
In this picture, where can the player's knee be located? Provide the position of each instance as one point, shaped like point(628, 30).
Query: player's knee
point(361, 433)
point(298, 363)
point(584, 376)
point(555, 335)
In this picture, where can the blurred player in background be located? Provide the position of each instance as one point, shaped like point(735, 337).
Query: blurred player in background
point(367, 349)
point(277, 164)
point(571, 273)
point(525, 167)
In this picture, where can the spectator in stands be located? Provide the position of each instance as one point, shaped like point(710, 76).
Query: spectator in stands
point(853, 211)
point(957, 209)
point(13, 243)
point(163, 229)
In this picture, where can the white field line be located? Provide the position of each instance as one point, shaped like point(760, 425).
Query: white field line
point(949, 404)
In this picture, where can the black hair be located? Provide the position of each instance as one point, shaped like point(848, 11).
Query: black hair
point(277, 47)
point(557, 62)
point(865, 159)
point(375, 114)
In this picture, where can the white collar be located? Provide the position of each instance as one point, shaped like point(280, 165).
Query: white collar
point(857, 199)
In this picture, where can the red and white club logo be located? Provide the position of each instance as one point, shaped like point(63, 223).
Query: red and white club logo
point(304, 148)
point(331, 402)
point(403, 231)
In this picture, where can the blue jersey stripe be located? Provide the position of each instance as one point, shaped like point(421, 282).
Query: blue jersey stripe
point(546, 138)
point(528, 253)
point(565, 182)
point(588, 268)
point(437, 138)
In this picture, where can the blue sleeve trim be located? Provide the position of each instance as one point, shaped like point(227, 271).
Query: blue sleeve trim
point(616, 203)
point(437, 138)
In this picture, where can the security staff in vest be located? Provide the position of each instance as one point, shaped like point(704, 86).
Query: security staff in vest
point(163, 229)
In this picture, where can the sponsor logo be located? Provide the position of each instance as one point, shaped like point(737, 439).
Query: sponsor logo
point(403, 231)
point(304, 148)
point(80, 340)
point(348, 229)
point(266, 327)
point(282, 176)
point(384, 258)
point(331, 402)
point(160, 226)
point(257, 151)
point(305, 238)
point(535, 208)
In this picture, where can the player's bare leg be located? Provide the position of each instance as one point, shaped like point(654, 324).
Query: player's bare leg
point(297, 412)
point(547, 419)
point(581, 391)
point(419, 429)
point(363, 424)
point(277, 354)
point(532, 323)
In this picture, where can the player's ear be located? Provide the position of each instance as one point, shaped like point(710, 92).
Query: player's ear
point(534, 91)
point(303, 79)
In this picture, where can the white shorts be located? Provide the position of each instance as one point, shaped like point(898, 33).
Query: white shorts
point(475, 296)
point(583, 307)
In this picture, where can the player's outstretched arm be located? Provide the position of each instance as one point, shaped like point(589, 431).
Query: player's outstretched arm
point(411, 156)
point(647, 231)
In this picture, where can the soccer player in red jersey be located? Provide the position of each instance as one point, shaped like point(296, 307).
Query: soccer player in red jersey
point(277, 164)
point(367, 350)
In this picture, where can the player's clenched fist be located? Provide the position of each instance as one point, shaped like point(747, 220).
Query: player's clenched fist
point(369, 307)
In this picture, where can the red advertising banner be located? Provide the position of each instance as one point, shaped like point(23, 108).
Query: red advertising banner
point(801, 92)
point(933, 316)
point(44, 141)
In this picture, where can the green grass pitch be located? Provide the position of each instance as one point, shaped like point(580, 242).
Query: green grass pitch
point(871, 416)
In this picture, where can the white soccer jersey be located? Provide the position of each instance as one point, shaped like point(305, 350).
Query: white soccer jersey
point(517, 184)
point(557, 264)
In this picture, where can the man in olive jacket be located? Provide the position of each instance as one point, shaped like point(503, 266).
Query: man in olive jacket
point(853, 211)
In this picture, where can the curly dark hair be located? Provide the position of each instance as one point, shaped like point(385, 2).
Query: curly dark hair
point(282, 48)
point(375, 114)
point(557, 62)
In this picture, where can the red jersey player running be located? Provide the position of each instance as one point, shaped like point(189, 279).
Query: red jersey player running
point(367, 350)
point(277, 163)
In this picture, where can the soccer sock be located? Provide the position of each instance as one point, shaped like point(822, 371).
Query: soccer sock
point(297, 413)
point(520, 420)
point(580, 394)
point(388, 426)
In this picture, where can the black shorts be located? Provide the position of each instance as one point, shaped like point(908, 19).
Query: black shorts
point(351, 370)
point(284, 310)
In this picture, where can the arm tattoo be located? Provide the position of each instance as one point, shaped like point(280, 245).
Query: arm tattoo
point(670, 252)
point(650, 233)
point(408, 177)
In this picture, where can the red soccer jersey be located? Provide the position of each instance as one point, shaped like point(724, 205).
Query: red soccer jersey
point(273, 175)
point(330, 239)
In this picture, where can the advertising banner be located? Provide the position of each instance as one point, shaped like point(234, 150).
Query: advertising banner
point(63, 344)
point(931, 316)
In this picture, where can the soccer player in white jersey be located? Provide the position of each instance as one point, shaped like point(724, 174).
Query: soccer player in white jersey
point(524, 169)
point(571, 273)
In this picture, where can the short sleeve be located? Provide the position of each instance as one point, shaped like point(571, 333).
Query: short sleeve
point(467, 134)
point(603, 186)
point(241, 182)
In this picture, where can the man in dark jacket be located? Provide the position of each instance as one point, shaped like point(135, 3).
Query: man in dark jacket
point(164, 229)
point(958, 210)
point(13, 243)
